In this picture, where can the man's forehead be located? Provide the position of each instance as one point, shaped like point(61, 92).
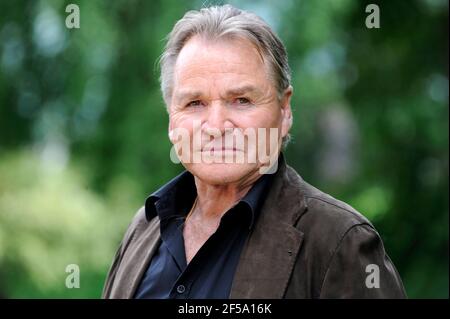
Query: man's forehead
point(202, 68)
point(232, 67)
point(220, 55)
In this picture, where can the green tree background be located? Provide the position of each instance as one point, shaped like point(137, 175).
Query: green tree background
point(83, 128)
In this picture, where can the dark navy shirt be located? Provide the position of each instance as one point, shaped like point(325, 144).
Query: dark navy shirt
point(210, 272)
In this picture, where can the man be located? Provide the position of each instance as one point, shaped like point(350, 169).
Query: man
point(230, 226)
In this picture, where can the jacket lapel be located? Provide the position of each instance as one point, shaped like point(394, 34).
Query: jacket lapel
point(269, 255)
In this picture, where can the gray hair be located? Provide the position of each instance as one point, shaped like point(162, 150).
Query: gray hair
point(218, 22)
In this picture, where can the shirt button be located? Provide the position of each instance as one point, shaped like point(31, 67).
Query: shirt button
point(181, 289)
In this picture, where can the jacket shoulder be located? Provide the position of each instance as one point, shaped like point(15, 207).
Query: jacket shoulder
point(333, 216)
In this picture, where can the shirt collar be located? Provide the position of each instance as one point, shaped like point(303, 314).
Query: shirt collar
point(162, 202)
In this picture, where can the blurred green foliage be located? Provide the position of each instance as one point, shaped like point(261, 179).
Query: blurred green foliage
point(83, 128)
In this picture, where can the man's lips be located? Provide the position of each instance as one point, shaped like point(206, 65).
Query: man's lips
point(220, 149)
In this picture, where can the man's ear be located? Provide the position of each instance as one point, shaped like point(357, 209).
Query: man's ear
point(170, 131)
point(286, 111)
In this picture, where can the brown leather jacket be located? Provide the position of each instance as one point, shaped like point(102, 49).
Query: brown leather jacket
point(306, 244)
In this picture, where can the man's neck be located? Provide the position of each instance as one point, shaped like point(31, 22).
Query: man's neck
point(214, 200)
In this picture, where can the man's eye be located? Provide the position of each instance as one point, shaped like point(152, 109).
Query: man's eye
point(242, 101)
point(194, 103)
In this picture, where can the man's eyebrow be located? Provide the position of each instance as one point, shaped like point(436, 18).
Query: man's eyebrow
point(240, 90)
point(187, 94)
point(234, 91)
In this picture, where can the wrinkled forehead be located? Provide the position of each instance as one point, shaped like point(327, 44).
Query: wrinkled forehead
point(207, 59)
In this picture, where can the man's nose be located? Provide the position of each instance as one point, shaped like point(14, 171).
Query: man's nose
point(218, 118)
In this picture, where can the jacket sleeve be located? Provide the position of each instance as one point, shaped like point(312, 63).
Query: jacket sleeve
point(109, 281)
point(111, 274)
point(360, 268)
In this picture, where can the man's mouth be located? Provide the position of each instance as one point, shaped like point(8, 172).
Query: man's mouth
point(220, 149)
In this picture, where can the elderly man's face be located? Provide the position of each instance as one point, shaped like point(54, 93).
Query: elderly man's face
point(221, 87)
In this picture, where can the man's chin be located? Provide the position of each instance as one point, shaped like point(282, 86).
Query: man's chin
point(221, 173)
